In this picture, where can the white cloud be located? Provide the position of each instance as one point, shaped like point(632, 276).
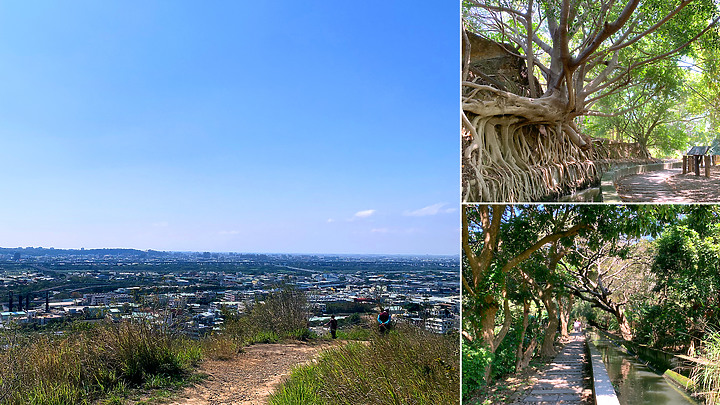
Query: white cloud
point(430, 210)
point(363, 214)
point(379, 230)
point(330, 220)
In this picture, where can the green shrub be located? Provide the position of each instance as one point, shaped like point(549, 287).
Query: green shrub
point(351, 320)
point(303, 334)
point(281, 312)
point(707, 376)
point(355, 333)
point(264, 337)
point(475, 358)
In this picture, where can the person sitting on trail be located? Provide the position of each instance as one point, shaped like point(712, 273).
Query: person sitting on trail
point(384, 321)
point(332, 323)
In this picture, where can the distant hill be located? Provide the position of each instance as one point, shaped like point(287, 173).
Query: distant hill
point(41, 251)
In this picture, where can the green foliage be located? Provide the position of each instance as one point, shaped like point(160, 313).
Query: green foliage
point(506, 356)
point(687, 268)
point(650, 113)
point(707, 376)
point(355, 333)
point(264, 337)
point(303, 334)
point(475, 358)
point(353, 319)
point(406, 366)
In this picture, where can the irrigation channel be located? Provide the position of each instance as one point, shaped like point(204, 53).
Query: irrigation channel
point(636, 383)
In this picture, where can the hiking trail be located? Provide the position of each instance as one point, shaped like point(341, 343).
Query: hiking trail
point(250, 377)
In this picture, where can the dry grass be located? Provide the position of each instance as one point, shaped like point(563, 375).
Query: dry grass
point(220, 347)
point(84, 365)
point(408, 366)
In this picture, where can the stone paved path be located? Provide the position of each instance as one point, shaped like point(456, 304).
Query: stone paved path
point(562, 382)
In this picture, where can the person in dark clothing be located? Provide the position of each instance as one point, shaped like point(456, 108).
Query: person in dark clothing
point(332, 323)
point(384, 321)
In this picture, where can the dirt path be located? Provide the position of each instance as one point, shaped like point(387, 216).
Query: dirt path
point(671, 186)
point(249, 378)
point(650, 187)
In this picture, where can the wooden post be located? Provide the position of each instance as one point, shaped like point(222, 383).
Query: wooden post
point(707, 166)
point(697, 164)
point(685, 164)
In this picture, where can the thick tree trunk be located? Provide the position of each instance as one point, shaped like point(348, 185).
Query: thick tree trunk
point(487, 324)
point(565, 309)
point(625, 330)
point(526, 321)
point(487, 329)
point(548, 346)
point(524, 355)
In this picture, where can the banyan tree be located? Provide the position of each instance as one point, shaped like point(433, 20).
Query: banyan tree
point(532, 70)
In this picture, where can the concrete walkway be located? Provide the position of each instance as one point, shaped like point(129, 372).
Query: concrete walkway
point(562, 381)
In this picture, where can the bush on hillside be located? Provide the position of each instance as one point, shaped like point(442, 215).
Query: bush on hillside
point(281, 315)
point(83, 365)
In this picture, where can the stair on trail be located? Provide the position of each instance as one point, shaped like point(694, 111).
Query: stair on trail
point(562, 381)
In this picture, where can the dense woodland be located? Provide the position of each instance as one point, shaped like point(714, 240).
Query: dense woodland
point(647, 273)
point(550, 86)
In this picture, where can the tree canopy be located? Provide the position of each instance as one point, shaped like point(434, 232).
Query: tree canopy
point(650, 273)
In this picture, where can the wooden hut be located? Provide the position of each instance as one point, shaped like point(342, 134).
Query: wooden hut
point(695, 158)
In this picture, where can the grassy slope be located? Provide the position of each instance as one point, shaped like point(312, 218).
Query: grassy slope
point(406, 367)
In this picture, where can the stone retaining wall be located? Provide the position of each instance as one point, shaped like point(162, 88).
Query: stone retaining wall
point(610, 179)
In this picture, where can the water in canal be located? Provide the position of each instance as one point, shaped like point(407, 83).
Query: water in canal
point(635, 383)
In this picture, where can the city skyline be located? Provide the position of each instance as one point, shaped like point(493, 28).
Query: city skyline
point(239, 128)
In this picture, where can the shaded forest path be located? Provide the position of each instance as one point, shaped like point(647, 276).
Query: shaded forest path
point(565, 380)
point(649, 187)
point(670, 186)
point(251, 376)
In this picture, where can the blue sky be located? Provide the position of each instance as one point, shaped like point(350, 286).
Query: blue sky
point(315, 127)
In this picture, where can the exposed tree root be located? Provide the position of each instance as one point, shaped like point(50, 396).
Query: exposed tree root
point(518, 149)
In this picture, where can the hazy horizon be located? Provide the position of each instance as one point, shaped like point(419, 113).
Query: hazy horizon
point(229, 252)
point(265, 126)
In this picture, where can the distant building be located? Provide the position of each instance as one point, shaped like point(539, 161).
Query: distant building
point(105, 298)
point(440, 325)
